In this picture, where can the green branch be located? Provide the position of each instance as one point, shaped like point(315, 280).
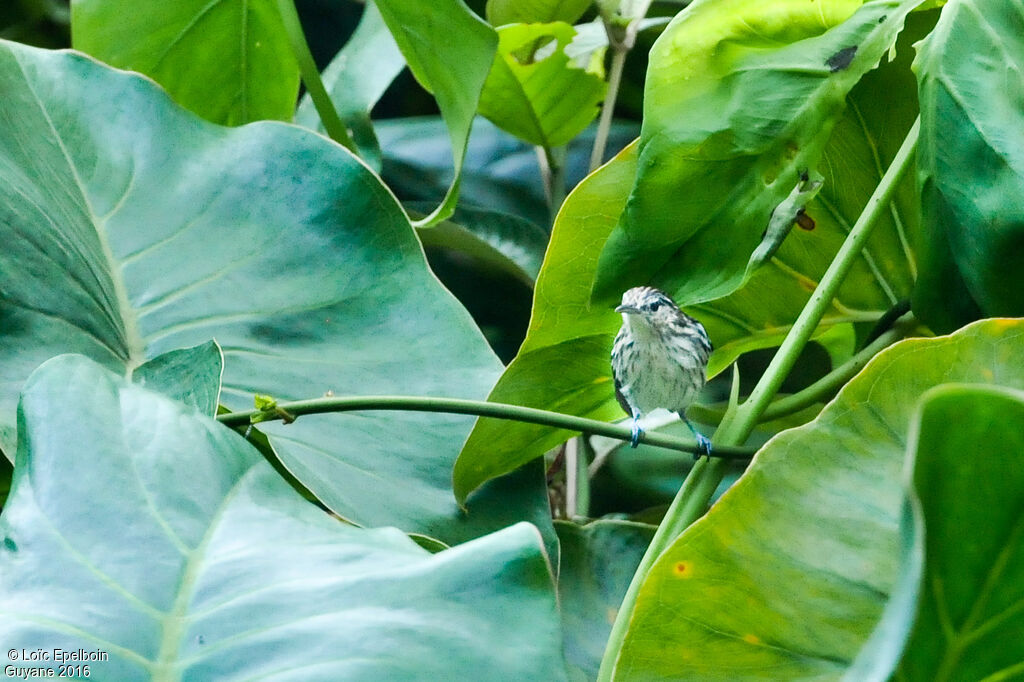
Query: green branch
point(311, 77)
point(692, 499)
point(290, 410)
point(824, 388)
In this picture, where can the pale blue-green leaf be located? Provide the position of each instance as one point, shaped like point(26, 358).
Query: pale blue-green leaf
point(135, 228)
point(188, 557)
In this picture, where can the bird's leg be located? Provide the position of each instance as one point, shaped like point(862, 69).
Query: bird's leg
point(636, 431)
point(703, 443)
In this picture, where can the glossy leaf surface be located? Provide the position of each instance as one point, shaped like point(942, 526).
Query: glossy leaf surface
point(500, 12)
point(963, 606)
point(569, 333)
point(969, 623)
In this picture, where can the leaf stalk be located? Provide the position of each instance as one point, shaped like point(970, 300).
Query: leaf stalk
point(333, 124)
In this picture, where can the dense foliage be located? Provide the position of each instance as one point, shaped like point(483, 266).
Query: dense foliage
point(198, 243)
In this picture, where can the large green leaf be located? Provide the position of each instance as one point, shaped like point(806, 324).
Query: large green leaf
point(741, 98)
point(788, 573)
point(356, 79)
point(563, 364)
point(969, 520)
point(454, 70)
point(534, 90)
point(228, 61)
point(598, 562)
point(188, 557)
point(133, 228)
point(971, 164)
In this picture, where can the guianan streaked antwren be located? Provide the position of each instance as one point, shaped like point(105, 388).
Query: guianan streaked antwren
point(659, 359)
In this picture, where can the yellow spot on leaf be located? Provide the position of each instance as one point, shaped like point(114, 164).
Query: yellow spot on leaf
point(751, 639)
point(987, 373)
point(682, 569)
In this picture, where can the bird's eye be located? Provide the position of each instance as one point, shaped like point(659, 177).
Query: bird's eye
point(655, 306)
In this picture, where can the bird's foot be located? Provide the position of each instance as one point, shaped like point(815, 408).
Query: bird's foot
point(703, 446)
point(636, 431)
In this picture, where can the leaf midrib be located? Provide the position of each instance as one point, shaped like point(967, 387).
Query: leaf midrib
point(174, 622)
point(134, 345)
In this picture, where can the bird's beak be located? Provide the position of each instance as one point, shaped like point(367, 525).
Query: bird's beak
point(627, 309)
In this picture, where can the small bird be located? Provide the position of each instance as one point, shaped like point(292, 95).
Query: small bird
point(659, 359)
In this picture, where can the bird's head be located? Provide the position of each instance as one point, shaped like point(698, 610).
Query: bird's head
point(647, 304)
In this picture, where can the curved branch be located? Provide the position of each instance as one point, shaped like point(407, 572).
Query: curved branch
point(290, 410)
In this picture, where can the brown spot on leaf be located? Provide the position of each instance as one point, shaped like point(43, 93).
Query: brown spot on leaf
point(805, 221)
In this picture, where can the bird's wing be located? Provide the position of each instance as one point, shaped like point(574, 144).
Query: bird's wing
point(621, 398)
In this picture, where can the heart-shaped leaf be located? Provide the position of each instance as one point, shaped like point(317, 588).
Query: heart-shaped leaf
point(740, 101)
point(790, 570)
point(188, 557)
point(228, 61)
point(133, 229)
point(971, 164)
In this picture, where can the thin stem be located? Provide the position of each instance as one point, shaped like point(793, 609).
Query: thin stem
point(572, 470)
point(692, 499)
point(826, 387)
point(311, 76)
point(821, 390)
point(479, 408)
point(586, 453)
point(604, 125)
point(815, 308)
point(556, 193)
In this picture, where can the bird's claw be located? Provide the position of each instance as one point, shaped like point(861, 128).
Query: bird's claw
point(703, 446)
point(635, 434)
